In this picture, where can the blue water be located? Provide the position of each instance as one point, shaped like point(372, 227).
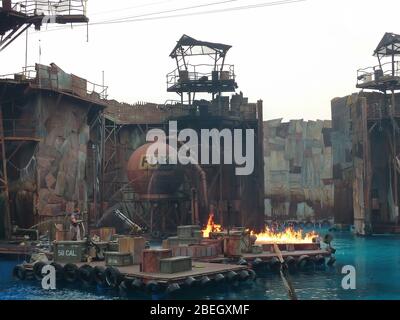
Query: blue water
point(376, 259)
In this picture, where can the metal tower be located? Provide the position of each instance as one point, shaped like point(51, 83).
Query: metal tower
point(17, 17)
point(201, 68)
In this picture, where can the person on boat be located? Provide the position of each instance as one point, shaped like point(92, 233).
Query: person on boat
point(74, 226)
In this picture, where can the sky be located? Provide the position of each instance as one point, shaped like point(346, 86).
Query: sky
point(296, 57)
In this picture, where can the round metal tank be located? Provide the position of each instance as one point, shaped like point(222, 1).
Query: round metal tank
point(153, 182)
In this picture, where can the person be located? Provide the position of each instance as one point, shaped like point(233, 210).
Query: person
point(74, 229)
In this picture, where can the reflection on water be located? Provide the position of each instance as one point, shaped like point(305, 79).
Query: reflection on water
point(377, 261)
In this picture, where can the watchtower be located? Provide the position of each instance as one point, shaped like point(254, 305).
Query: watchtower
point(201, 68)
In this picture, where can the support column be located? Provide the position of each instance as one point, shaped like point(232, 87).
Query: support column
point(7, 217)
point(260, 154)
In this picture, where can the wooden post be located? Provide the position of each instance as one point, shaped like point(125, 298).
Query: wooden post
point(7, 217)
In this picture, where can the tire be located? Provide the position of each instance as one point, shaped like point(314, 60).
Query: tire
point(232, 276)
point(70, 273)
point(190, 282)
point(291, 264)
point(274, 264)
point(219, 278)
point(19, 272)
point(244, 275)
point(137, 284)
point(153, 287)
point(59, 271)
point(86, 275)
point(37, 270)
point(319, 261)
point(205, 281)
point(113, 277)
point(173, 288)
point(252, 274)
point(99, 275)
point(305, 263)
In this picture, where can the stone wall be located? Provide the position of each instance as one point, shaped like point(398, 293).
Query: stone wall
point(298, 169)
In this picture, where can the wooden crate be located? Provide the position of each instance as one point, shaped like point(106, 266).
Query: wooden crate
point(175, 265)
point(232, 246)
point(134, 246)
point(117, 259)
point(151, 259)
point(187, 232)
point(105, 234)
point(70, 251)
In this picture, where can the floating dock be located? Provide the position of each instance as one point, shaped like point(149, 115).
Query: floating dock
point(130, 278)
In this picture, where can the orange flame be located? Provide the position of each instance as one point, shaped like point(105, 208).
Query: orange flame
point(289, 236)
point(211, 227)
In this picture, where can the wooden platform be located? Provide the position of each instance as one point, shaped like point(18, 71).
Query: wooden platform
point(266, 256)
point(200, 269)
point(7, 249)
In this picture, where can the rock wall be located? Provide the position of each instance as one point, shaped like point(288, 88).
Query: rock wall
point(61, 157)
point(298, 169)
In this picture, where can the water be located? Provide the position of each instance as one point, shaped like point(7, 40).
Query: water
point(377, 262)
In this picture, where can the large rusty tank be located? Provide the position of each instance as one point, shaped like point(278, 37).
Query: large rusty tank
point(153, 182)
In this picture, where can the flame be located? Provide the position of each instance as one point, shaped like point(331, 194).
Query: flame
point(211, 227)
point(290, 236)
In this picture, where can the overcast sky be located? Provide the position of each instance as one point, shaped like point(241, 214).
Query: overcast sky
point(296, 57)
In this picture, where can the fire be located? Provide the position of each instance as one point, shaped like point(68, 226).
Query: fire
point(211, 227)
point(290, 236)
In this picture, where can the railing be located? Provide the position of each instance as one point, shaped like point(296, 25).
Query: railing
point(30, 74)
point(377, 73)
point(194, 73)
point(51, 8)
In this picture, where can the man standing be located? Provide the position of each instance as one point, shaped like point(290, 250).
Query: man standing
point(74, 227)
